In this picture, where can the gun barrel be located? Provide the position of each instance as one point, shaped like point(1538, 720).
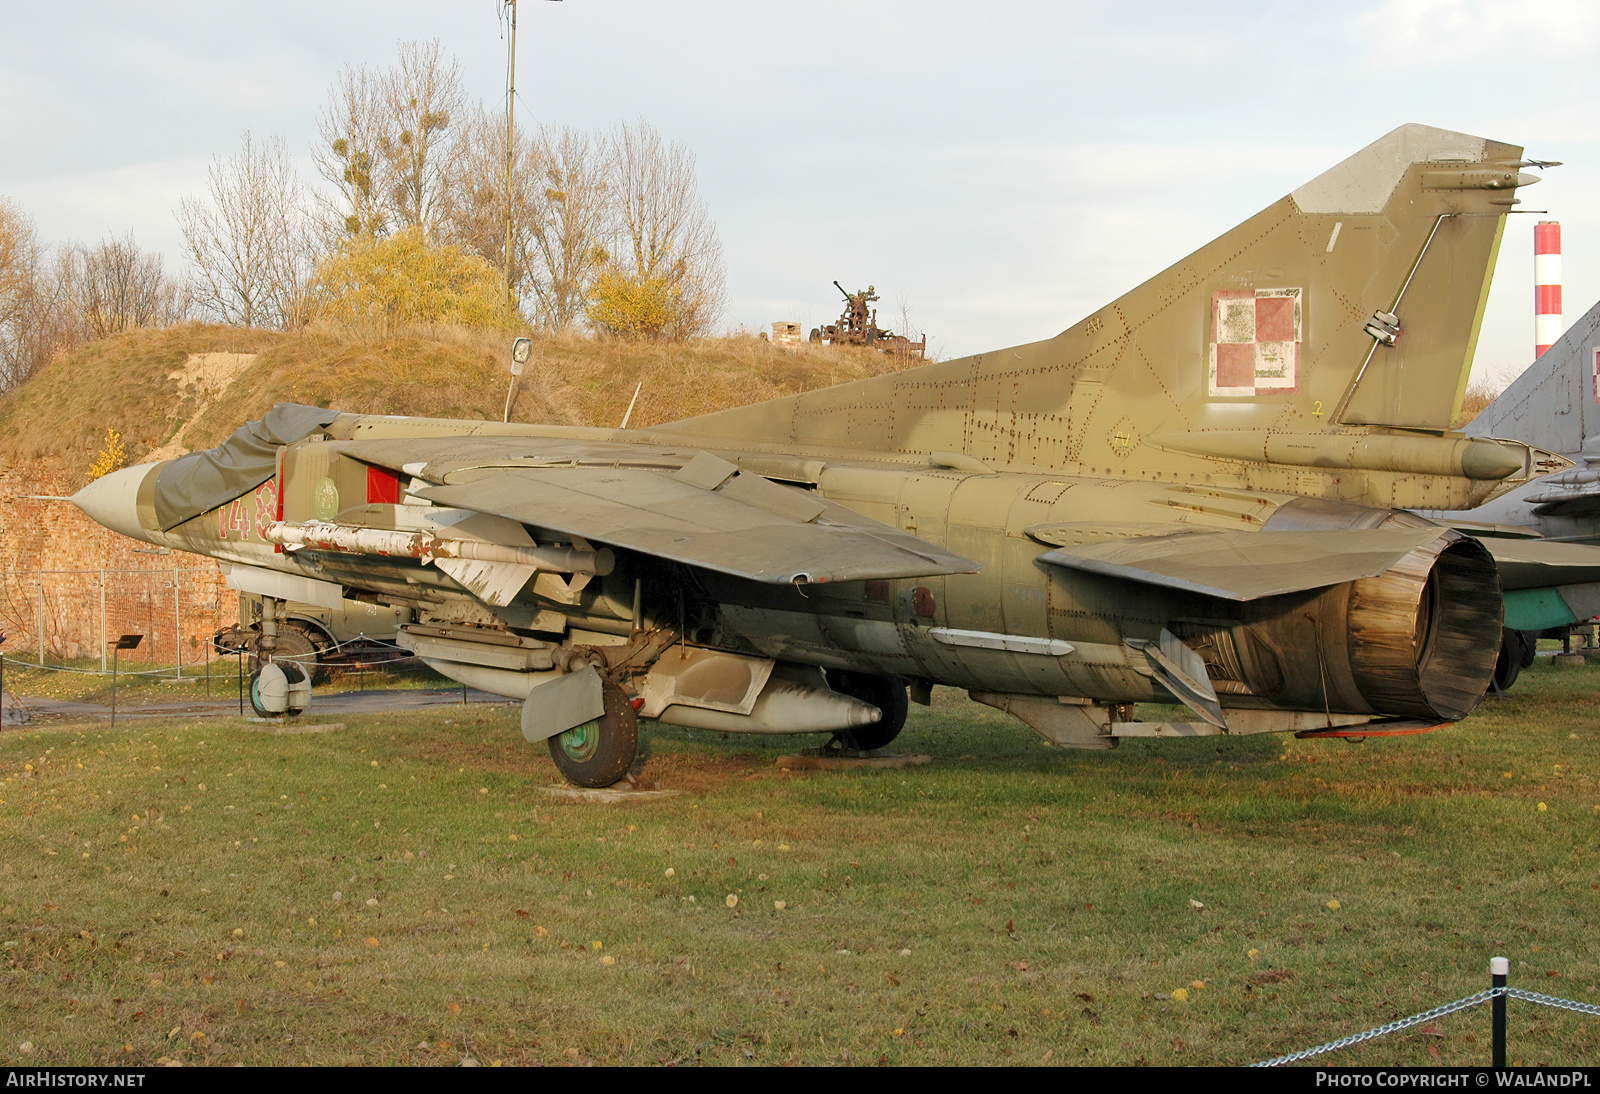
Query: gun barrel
point(841, 289)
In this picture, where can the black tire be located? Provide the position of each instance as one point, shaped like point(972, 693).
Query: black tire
point(887, 693)
point(598, 753)
point(1508, 664)
point(297, 646)
point(1529, 644)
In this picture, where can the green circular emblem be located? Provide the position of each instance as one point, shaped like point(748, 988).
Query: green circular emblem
point(325, 499)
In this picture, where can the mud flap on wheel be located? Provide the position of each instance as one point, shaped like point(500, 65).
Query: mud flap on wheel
point(269, 691)
point(564, 702)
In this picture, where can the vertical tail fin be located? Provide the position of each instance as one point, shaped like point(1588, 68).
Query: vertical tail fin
point(1555, 403)
point(1353, 301)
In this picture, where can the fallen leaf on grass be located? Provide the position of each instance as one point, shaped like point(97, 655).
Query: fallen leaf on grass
point(372, 943)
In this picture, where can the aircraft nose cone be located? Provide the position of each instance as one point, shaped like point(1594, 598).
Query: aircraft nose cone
point(112, 501)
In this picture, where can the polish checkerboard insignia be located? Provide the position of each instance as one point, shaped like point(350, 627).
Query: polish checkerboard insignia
point(1255, 342)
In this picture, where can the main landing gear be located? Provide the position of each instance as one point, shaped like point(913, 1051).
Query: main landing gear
point(599, 752)
point(884, 692)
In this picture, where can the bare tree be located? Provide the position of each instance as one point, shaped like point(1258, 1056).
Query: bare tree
point(19, 262)
point(561, 213)
point(387, 141)
point(422, 97)
point(23, 298)
point(114, 286)
point(574, 210)
point(474, 203)
point(350, 128)
point(664, 233)
point(250, 239)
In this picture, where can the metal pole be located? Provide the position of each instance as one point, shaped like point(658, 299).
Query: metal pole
point(1499, 968)
point(41, 619)
point(116, 655)
point(177, 624)
point(102, 622)
point(511, 99)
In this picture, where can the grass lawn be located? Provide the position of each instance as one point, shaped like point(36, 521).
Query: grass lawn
point(400, 891)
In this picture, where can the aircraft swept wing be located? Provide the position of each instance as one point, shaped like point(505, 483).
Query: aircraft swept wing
point(707, 513)
point(1191, 496)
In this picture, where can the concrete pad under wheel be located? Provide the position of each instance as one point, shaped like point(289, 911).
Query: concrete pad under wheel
point(279, 727)
point(607, 794)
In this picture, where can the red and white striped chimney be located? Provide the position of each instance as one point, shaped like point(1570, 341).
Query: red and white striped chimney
point(1546, 285)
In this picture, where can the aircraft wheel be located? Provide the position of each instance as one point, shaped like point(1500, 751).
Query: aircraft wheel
point(884, 692)
point(599, 752)
point(296, 646)
point(1508, 665)
point(1528, 645)
point(293, 674)
point(255, 697)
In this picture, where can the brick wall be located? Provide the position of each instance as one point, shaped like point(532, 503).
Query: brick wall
point(49, 548)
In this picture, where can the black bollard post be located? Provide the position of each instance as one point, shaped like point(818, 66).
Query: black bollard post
point(1499, 967)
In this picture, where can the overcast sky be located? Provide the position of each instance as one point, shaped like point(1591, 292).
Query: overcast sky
point(1002, 168)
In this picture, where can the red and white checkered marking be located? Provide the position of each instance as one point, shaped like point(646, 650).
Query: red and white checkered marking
point(1255, 342)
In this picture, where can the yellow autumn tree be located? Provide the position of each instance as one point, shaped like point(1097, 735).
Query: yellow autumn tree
point(631, 306)
point(403, 279)
point(113, 456)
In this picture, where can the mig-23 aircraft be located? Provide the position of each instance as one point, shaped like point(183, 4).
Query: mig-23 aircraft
point(1192, 496)
point(1553, 520)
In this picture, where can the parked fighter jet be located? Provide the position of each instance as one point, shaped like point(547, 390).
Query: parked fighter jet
point(1553, 520)
point(1554, 404)
point(1191, 496)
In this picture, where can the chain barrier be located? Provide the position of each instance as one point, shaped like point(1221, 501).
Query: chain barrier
point(1428, 1015)
point(1386, 1028)
point(1551, 1001)
point(390, 664)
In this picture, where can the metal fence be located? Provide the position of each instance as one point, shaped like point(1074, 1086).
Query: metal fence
point(55, 616)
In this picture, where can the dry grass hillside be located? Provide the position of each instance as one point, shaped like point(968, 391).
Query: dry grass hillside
point(187, 387)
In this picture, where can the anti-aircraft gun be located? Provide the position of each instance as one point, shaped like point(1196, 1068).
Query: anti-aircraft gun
point(858, 326)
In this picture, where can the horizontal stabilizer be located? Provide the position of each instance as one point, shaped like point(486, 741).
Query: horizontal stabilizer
point(706, 515)
point(1538, 563)
point(1246, 565)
